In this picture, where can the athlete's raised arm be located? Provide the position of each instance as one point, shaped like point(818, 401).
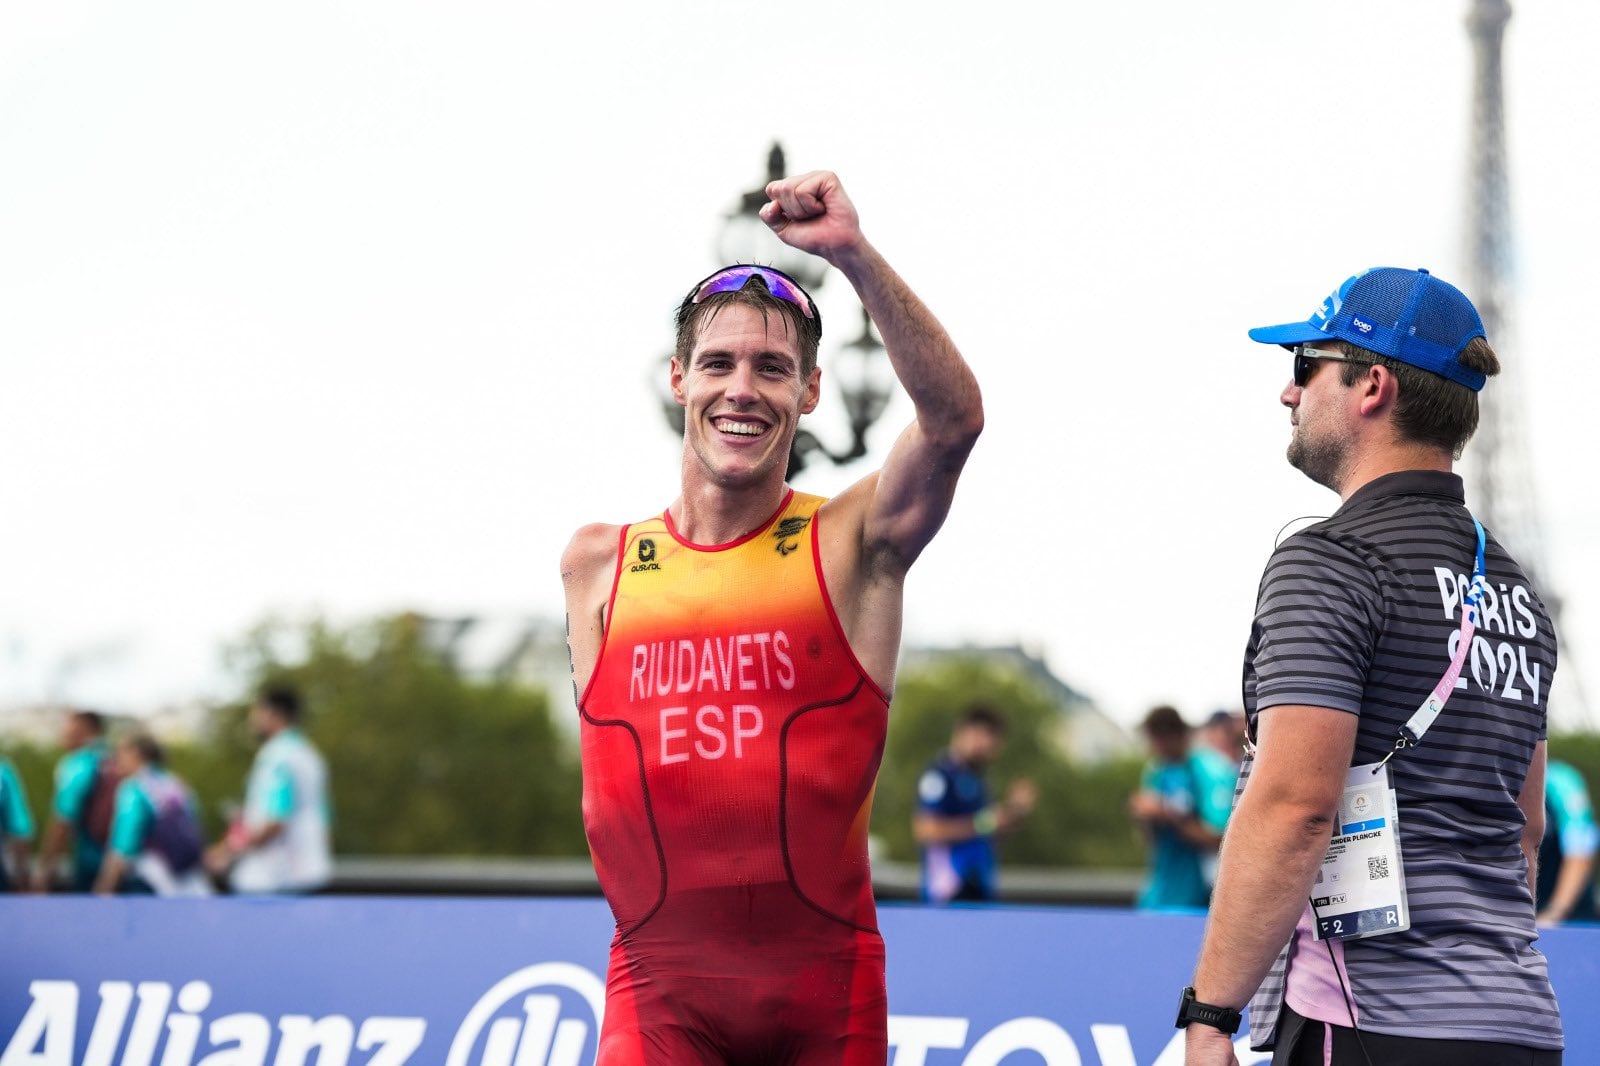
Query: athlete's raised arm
point(908, 499)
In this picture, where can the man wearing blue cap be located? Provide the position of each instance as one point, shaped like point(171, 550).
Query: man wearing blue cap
point(1395, 681)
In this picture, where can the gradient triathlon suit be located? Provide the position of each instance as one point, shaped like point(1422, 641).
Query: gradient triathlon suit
point(730, 745)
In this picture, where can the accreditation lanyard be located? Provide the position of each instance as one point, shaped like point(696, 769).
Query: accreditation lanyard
point(1427, 713)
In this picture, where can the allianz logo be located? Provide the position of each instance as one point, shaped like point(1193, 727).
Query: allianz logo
point(518, 1022)
point(547, 1014)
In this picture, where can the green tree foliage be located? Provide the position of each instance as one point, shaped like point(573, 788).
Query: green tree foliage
point(35, 768)
point(422, 760)
point(1081, 818)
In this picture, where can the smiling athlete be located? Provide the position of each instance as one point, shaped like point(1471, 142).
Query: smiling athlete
point(734, 656)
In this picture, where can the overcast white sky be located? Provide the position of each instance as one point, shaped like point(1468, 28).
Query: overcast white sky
point(355, 307)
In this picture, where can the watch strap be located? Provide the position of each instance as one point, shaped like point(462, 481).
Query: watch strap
point(1191, 1010)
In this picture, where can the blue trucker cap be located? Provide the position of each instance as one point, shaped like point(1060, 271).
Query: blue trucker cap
point(1408, 315)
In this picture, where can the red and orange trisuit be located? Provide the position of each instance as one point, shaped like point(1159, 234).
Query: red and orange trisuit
point(730, 744)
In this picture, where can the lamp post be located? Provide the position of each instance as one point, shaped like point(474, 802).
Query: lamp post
point(866, 382)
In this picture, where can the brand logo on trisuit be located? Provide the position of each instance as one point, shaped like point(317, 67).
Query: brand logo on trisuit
point(647, 557)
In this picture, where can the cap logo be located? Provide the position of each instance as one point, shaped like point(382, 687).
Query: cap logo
point(1364, 327)
point(1330, 307)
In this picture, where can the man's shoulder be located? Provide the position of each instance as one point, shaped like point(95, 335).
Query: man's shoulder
point(1324, 554)
point(1211, 766)
point(939, 780)
point(851, 504)
point(78, 762)
point(296, 743)
point(133, 791)
point(1565, 785)
point(274, 751)
point(592, 547)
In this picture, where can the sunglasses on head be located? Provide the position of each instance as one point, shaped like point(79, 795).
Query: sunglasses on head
point(1307, 357)
point(734, 278)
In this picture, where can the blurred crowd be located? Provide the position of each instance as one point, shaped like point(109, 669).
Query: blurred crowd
point(1180, 810)
point(119, 821)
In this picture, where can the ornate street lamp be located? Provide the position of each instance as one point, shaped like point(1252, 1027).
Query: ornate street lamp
point(866, 382)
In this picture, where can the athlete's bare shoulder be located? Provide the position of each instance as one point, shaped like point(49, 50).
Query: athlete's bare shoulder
point(587, 567)
point(843, 527)
point(593, 547)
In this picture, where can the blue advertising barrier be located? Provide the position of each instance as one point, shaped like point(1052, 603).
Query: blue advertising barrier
point(413, 982)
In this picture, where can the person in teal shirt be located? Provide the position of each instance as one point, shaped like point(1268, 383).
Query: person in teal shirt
point(77, 772)
point(1184, 798)
point(16, 826)
point(1566, 889)
point(155, 845)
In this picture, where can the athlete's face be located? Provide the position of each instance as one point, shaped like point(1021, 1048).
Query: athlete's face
point(1318, 435)
point(743, 394)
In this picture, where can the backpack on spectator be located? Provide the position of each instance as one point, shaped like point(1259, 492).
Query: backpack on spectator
point(175, 833)
point(95, 819)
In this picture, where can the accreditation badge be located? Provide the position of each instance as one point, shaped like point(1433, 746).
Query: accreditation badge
point(1360, 888)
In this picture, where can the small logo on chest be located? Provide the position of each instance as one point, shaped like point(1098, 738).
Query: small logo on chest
point(787, 529)
point(647, 557)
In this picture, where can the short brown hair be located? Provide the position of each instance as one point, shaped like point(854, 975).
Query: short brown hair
point(982, 716)
point(690, 315)
point(148, 748)
point(1164, 721)
point(1431, 409)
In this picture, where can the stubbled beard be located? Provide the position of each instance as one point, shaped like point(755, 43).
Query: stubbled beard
point(1320, 460)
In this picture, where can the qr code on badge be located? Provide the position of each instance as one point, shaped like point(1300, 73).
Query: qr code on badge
point(1377, 867)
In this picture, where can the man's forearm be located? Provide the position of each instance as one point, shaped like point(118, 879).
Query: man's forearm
point(1197, 834)
point(930, 829)
point(111, 873)
point(21, 853)
point(56, 836)
point(1268, 862)
point(261, 836)
point(930, 368)
point(1572, 880)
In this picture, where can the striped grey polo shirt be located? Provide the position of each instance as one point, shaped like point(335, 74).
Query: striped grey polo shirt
point(1360, 613)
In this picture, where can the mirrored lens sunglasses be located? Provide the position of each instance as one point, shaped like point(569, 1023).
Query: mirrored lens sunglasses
point(734, 278)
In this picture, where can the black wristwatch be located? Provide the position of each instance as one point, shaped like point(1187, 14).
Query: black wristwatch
point(1192, 1010)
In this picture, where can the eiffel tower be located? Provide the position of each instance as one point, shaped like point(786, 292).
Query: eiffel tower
point(1501, 477)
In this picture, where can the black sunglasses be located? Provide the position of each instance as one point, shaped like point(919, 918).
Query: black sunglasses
point(1306, 358)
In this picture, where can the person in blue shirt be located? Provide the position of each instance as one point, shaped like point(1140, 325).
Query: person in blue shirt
point(16, 827)
point(1182, 806)
point(1566, 887)
point(955, 822)
point(155, 845)
point(78, 776)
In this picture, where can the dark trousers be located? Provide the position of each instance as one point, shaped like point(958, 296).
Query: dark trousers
point(1300, 1043)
